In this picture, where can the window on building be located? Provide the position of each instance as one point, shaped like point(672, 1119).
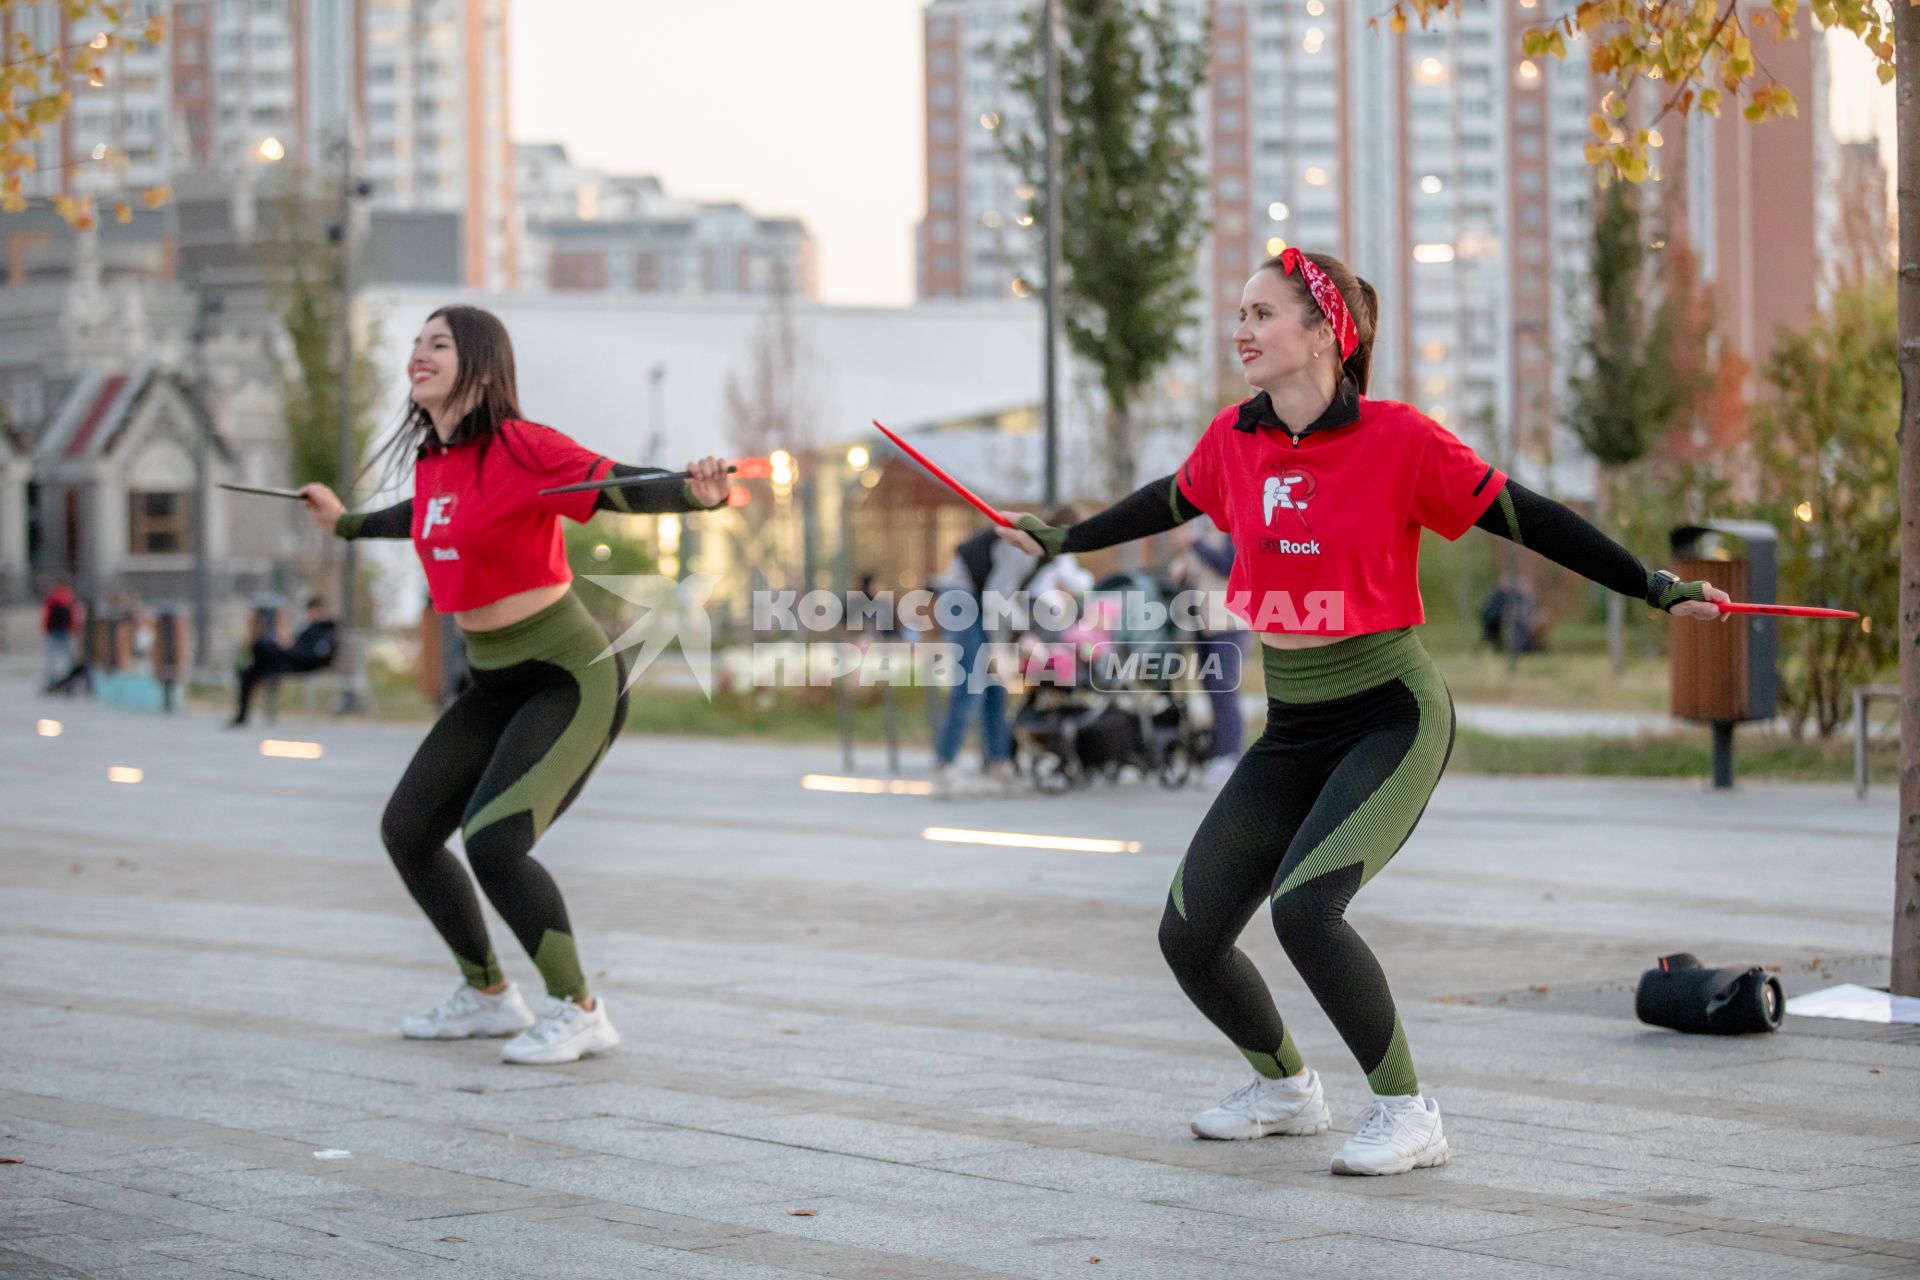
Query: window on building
point(941, 95)
point(157, 523)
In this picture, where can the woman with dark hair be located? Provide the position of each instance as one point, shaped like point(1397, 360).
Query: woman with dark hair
point(1324, 493)
point(510, 754)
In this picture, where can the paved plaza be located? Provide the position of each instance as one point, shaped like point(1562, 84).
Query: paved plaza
point(854, 1051)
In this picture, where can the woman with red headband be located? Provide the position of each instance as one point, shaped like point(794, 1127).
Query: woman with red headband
point(1324, 493)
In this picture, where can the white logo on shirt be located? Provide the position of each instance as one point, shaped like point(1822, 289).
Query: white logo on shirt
point(445, 553)
point(1288, 491)
point(439, 512)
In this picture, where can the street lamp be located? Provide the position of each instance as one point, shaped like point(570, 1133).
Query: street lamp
point(656, 428)
point(207, 306)
point(341, 234)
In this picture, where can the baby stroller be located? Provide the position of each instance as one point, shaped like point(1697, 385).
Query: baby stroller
point(1105, 698)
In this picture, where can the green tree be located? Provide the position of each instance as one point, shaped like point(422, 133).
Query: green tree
point(1130, 192)
point(1828, 477)
point(1626, 393)
point(1641, 374)
point(303, 266)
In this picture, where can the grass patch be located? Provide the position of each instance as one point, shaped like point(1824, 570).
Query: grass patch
point(1683, 755)
point(778, 715)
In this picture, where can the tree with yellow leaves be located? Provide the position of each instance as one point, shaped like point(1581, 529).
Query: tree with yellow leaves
point(39, 79)
point(1702, 51)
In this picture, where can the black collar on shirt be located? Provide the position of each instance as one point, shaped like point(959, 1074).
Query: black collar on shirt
point(1342, 411)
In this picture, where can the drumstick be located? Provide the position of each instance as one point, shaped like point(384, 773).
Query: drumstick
point(621, 482)
point(940, 475)
point(1782, 610)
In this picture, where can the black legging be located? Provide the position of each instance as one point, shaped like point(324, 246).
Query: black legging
point(1356, 738)
point(502, 762)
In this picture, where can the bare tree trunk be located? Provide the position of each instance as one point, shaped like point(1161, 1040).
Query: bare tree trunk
point(1906, 887)
point(1616, 604)
point(1122, 466)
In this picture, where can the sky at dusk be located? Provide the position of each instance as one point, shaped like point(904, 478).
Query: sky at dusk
point(810, 110)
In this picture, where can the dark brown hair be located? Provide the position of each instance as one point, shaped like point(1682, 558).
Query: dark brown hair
point(1363, 304)
point(486, 377)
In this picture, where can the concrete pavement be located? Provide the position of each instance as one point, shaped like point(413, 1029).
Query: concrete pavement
point(855, 1052)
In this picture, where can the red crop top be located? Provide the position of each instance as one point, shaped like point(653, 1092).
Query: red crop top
point(483, 532)
point(1326, 526)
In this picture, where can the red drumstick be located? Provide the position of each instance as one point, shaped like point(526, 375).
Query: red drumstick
point(944, 478)
point(1783, 610)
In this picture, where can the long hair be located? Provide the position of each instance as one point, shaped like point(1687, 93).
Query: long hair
point(1363, 304)
point(485, 382)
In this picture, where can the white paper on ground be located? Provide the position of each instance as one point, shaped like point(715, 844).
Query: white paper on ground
point(1856, 1003)
point(333, 1153)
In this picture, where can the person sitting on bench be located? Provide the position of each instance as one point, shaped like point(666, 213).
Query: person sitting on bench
point(311, 650)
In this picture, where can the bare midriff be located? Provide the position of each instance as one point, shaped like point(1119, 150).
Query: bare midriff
point(1287, 640)
point(508, 610)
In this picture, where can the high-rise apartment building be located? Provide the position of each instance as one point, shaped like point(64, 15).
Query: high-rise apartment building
point(1444, 165)
point(587, 231)
point(421, 86)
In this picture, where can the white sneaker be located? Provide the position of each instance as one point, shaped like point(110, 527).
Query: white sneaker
point(1262, 1107)
point(565, 1033)
point(1394, 1135)
point(1215, 772)
point(470, 1012)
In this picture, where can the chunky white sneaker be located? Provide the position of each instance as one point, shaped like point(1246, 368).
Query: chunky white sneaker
point(1262, 1107)
point(565, 1033)
point(470, 1012)
point(1394, 1135)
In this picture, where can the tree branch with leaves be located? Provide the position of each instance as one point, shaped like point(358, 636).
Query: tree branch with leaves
point(38, 86)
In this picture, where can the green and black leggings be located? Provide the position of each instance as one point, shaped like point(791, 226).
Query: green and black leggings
point(502, 762)
point(1357, 734)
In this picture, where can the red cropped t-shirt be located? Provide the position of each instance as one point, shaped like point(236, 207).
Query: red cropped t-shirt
point(483, 532)
point(1326, 525)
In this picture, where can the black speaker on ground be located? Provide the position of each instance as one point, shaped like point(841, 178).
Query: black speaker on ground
point(1683, 995)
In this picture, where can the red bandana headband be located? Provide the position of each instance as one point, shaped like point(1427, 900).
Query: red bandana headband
point(1326, 296)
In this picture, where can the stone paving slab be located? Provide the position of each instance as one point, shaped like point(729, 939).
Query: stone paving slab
point(962, 1061)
